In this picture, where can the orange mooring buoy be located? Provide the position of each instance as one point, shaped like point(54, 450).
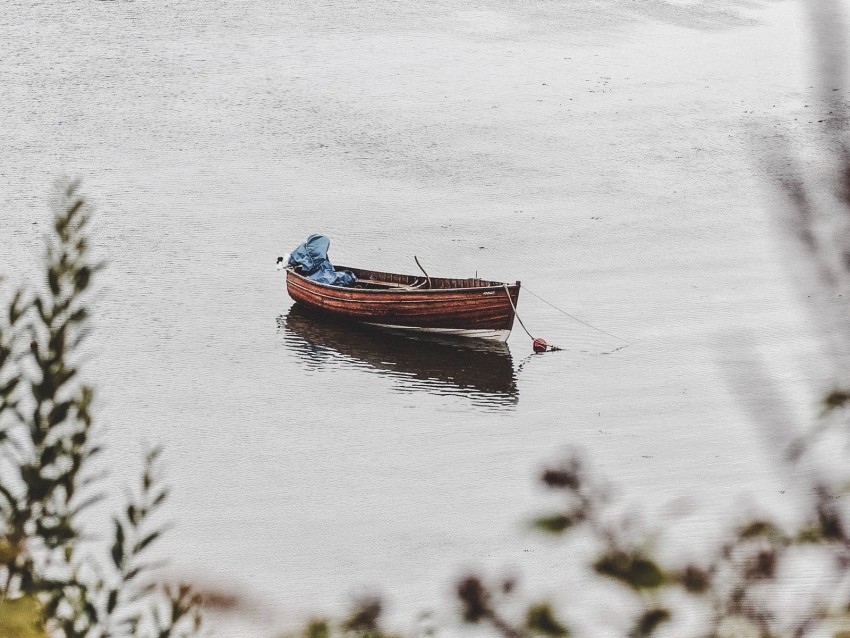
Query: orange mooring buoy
point(540, 345)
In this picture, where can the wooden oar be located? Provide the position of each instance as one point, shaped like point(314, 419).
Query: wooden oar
point(423, 270)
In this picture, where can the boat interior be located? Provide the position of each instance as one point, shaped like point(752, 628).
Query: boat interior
point(374, 280)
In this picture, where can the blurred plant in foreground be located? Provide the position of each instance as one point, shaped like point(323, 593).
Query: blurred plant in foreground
point(48, 587)
point(362, 622)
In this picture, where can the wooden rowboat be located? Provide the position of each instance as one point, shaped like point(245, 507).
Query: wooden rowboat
point(451, 307)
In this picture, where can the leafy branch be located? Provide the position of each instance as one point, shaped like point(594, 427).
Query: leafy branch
point(47, 450)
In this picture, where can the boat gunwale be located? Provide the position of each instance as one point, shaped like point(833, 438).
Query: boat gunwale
point(491, 285)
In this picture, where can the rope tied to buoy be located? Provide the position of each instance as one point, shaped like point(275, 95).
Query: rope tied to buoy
point(574, 318)
point(538, 344)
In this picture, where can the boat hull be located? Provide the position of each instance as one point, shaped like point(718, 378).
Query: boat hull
point(448, 307)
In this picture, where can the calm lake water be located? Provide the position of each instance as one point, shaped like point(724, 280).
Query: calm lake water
point(607, 156)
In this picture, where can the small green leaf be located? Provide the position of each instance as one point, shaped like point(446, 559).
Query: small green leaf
point(160, 498)
point(91, 612)
point(631, 569)
point(140, 546)
point(562, 478)
point(541, 620)
point(16, 309)
point(79, 438)
point(649, 622)
point(317, 628)
point(475, 599)
point(81, 278)
point(8, 553)
point(53, 281)
point(118, 546)
point(555, 524)
point(759, 529)
point(78, 316)
point(810, 535)
point(48, 455)
point(695, 580)
point(59, 413)
point(112, 601)
point(835, 400)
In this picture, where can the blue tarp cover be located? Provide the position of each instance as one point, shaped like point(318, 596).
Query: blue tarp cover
point(312, 256)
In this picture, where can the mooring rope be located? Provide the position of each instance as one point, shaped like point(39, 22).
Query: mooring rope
point(516, 314)
point(540, 344)
point(570, 316)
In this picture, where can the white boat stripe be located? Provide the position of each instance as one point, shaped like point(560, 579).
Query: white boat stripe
point(495, 335)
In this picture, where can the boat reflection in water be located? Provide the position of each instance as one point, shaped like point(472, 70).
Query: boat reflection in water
point(481, 370)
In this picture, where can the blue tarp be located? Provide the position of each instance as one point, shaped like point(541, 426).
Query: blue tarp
point(312, 257)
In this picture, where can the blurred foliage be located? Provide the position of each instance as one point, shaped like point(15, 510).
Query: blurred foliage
point(363, 621)
point(21, 618)
point(47, 480)
point(541, 620)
